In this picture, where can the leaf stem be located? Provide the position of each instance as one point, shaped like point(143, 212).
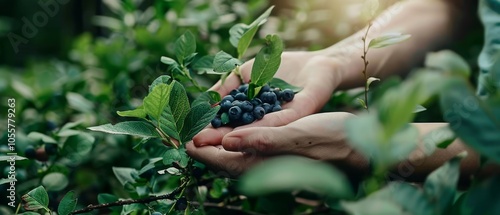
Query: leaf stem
point(194, 82)
point(365, 62)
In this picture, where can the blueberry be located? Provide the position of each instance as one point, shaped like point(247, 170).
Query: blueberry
point(268, 97)
point(51, 149)
point(247, 118)
point(288, 95)
point(156, 213)
point(279, 94)
point(236, 103)
point(181, 204)
point(276, 107)
point(243, 88)
point(225, 105)
point(256, 102)
point(30, 152)
point(259, 112)
point(234, 92)
point(246, 106)
point(234, 113)
point(265, 88)
point(267, 107)
point(216, 122)
point(229, 98)
point(240, 97)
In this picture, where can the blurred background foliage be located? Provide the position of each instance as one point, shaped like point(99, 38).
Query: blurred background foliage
point(92, 58)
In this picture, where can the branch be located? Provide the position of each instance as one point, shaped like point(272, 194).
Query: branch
point(131, 201)
point(236, 209)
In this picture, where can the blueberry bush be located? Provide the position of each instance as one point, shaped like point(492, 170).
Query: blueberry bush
point(106, 132)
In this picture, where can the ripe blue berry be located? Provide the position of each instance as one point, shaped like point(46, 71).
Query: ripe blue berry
point(234, 92)
point(225, 105)
point(30, 152)
point(276, 107)
point(279, 93)
point(268, 97)
point(234, 113)
point(259, 112)
point(241, 97)
point(216, 122)
point(247, 118)
point(267, 107)
point(288, 95)
point(228, 98)
point(246, 106)
point(256, 102)
point(265, 88)
point(243, 88)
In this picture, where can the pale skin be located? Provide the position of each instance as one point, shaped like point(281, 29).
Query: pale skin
point(300, 130)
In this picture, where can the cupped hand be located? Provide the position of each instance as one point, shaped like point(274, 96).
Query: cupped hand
point(317, 75)
point(318, 136)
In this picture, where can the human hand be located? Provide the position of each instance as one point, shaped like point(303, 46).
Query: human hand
point(318, 136)
point(316, 74)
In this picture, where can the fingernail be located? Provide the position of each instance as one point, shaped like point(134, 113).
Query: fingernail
point(231, 142)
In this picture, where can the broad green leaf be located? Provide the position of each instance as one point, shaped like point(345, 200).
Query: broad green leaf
point(419, 108)
point(37, 136)
point(204, 65)
point(173, 171)
point(472, 120)
point(218, 187)
point(370, 81)
point(179, 104)
point(370, 8)
point(440, 186)
point(157, 107)
point(198, 117)
point(79, 103)
point(77, 147)
point(36, 199)
point(132, 208)
point(224, 118)
point(55, 181)
point(289, 173)
point(167, 60)
point(175, 155)
point(185, 46)
point(489, 63)
point(210, 97)
point(224, 63)
point(67, 204)
point(387, 40)
point(483, 199)
point(124, 175)
point(139, 112)
point(163, 79)
point(134, 128)
point(167, 123)
point(241, 35)
point(245, 40)
point(267, 61)
point(279, 83)
point(395, 198)
point(441, 137)
point(449, 62)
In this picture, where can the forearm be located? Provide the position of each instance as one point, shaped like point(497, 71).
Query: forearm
point(432, 24)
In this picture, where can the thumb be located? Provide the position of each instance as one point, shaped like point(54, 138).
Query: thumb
point(261, 140)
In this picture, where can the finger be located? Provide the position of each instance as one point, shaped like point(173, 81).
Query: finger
point(210, 136)
point(227, 164)
point(260, 140)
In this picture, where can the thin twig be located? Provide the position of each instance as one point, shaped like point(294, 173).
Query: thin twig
point(365, 61)
point(227, 207)
point(132, 201)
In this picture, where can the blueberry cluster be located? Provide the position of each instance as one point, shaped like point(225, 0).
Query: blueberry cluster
point(236, 109)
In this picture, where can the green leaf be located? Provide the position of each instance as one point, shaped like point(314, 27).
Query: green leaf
point(124, 175)
point(395, 198)
point(134, 128)
point(289, 173)
point(388, 40)
point(279, 83)
point(163, 79)
point(77, 147)
point(210, 97)
point(139, 112)
point(167, 60)
point(204, 65)
point(483, 199)
point(224, 63)
point(218, 187)
point(245, 40)
point(103, 198)
point(419, 108)
point(449, 62)
point(8, 157)
point(440, 186)
point(224, 118)
point(55, 181)
point(241, 35)
point(179, 104)
point(198, 117)
point(173, 171)
point(67, 204)
point(441, 137)
point(36, 199)
point(472, 120)
point(37, 136)
point(185, 46)
point(267, 61)
point(175, 155)
point(370, 81)
point(157, 107)
point(79, 103)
